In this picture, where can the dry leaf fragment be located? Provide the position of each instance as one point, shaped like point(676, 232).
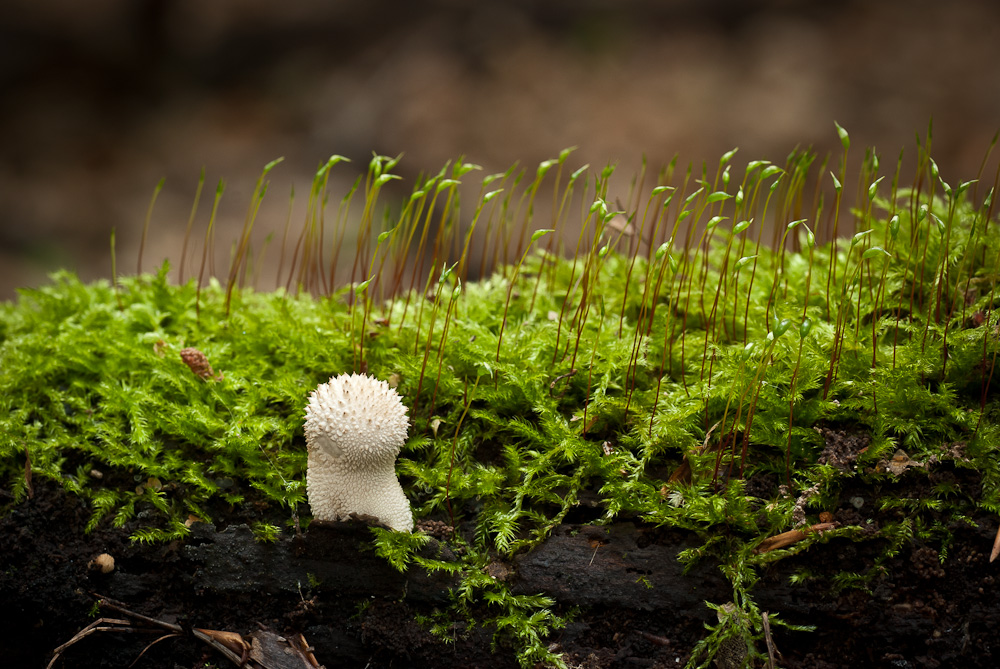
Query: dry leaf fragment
point(996, 547)
point(273, 651)
point(498, 571)
point(621, 225)
point(899, 463)
point(230, 640)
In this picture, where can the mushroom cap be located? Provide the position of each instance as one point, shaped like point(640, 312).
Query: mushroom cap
point(356, 418)
point(355, 427)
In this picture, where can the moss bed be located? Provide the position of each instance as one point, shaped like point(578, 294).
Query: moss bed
point(672, 431)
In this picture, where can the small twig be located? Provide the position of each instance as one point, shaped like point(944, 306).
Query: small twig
point(303, 647)
point(790, 537)
point(119, 625)
point(27, 473)
point(996, 547)
point(561, 377)
point(769, 641)
point(105, 603)
point(150, 645)
point(658, 640)
point(99, 625)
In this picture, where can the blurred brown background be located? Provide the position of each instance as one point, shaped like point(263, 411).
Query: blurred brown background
point(100, 99)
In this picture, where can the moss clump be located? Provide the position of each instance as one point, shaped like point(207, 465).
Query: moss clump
point(684, 361)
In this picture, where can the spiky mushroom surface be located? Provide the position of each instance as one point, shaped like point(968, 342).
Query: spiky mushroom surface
point(355, 426)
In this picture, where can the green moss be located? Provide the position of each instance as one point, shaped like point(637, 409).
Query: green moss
point(681, 334)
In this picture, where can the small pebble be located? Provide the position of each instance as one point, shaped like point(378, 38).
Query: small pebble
point(103, 563)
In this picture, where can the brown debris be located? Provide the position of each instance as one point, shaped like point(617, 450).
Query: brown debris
point(927, 563)
point(799, 512)
point(438, 529)
point(498, 570)
point(654, 638)
point(956, 451)
point(272, 651)
point(996, 547)
point(562, 377)
point(683, 474)
point(842, 447)
point(899, 463)
point(790, 537)
point(771, 649)
point(263, 650)
point(199, 364)
point(230, 640)
point(99, 625)
point(27, 473)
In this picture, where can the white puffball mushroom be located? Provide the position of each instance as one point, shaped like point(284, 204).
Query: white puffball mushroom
point(355, 426)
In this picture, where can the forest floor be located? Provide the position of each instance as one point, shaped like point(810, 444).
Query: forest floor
point(630, 602)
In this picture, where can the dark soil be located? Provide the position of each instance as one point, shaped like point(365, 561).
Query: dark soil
point(635, 606)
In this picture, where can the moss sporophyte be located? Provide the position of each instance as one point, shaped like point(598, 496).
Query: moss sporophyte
point(681, 347)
